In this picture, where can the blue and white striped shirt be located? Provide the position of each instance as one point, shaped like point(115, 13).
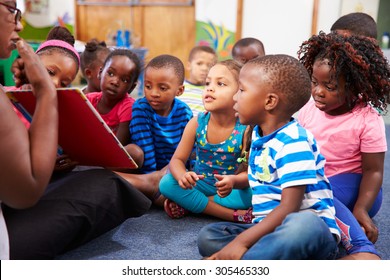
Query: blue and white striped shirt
point(289, 157)
point(157, 136)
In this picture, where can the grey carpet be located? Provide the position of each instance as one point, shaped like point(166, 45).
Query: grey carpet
point(155, 236)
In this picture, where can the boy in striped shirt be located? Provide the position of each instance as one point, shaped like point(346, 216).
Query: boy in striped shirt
point(293, 212)
point(158, 121)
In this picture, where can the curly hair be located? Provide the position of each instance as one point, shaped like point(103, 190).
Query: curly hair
point(358, 59)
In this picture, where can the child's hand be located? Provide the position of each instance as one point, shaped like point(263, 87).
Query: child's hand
point(224, 184)
point(368, 226)
point(189, 179)
point(64, 164)
point(231, 251)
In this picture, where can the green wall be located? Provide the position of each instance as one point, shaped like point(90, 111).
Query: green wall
point(383, 21)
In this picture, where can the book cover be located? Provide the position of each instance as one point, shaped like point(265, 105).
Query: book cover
point(83, 134)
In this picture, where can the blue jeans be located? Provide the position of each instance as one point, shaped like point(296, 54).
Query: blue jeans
point(301, 236)
point(196, 199)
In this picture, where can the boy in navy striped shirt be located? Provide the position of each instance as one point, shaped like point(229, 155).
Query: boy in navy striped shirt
point(293, 212)
point(158, 121)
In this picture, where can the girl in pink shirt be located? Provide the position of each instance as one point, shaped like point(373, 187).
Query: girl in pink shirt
point(350, 84)
point(118, 78)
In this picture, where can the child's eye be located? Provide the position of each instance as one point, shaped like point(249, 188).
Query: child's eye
point(163, 88)
point(51, 73)
point(221, 84)
point(126, 81)
point(207, 83)
point(314, 83)
point(148, 87)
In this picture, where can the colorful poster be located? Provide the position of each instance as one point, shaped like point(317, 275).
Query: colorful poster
point(39, 16)
point(216, 25)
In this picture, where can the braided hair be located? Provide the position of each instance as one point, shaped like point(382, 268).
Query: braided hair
point(358, 59)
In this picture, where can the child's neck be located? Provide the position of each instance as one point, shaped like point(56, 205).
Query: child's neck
point(272, 125)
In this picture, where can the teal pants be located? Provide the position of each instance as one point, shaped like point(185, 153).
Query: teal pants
point(195, 200)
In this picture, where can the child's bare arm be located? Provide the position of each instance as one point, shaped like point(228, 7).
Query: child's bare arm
point(372, 177)
point(177, 165)
point(123, 133)
point(290, 202)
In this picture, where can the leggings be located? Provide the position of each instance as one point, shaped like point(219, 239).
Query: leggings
point(345, 190)
point(196, 199)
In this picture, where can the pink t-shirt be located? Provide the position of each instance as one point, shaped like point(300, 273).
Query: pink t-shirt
point(343, 138)
point(121, 112)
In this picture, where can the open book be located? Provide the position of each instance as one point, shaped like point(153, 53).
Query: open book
point(83, 134)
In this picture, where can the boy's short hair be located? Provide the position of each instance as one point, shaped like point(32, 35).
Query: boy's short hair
point(286, 75)
point(198, 49)
point(168, 61)
point(245, 42)
point(360, 24)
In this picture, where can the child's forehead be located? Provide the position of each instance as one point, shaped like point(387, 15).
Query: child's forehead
point(167, 72)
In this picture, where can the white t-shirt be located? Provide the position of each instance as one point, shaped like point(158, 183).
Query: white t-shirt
point(4, 244)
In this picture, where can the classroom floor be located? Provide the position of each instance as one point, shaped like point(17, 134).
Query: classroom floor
point(155, 236)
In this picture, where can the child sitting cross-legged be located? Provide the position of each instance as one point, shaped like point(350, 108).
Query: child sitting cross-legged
point(212, 187)
point(294, 216)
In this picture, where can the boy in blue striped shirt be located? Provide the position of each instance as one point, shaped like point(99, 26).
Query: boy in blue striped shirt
point(293, 212)
point(158, 121)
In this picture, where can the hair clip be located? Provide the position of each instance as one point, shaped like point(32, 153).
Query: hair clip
point(243, 158)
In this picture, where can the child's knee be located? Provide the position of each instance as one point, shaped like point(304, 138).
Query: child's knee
point(167, 184)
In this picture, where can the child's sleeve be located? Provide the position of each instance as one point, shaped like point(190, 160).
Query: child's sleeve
point(141, 135)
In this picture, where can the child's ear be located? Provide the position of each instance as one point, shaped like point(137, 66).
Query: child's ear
point(132, 87)
point(100, 73)
point(271, 101)
point(180, 90)
point(88, 73)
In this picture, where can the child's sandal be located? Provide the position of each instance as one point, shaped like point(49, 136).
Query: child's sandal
point(244, 219)
point(181, 212)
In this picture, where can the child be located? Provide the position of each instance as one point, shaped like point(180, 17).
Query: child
point(118, 76)
point(359, 24)
point(92, 60)
point(292, 199)
point(200, 60)
point(350, 79)
point(158, 122)
point(27, 157)
point(59, 57)
point(218, 136)
point(77, 206)
point(246, 49)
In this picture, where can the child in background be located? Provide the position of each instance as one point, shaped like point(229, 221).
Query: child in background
point(359, 24)
point(212, 187)
point(292, 199)
point(200, 60)
point(118, 76)
point(350, 79)
point(246, 49)
point(158, 122)
point(91, 61)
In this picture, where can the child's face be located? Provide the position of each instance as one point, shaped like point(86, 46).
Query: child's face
point(221, 85)
point(251, 96)
point(244, 54)
point(62, 69)
point(329, 96)
point(161, 87)
point(199, 66)
point(92, 72)
point(117, 77)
